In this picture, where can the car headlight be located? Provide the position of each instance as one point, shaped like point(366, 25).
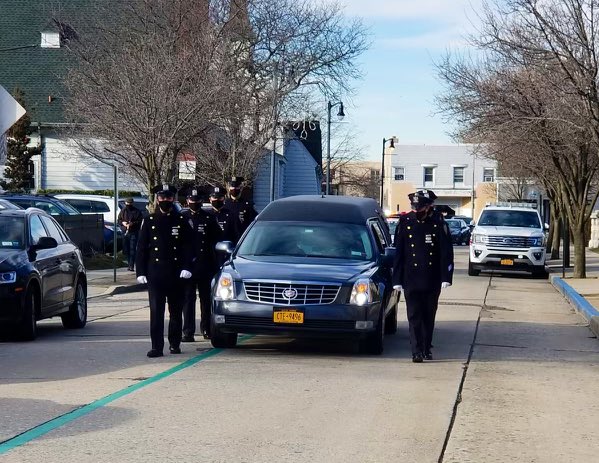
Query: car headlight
point(537, 241)
point(225, 288)
point(361, 293)
point(8, 277)
point(477, 238)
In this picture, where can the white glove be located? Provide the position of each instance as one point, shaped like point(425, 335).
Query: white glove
point(142, 280)
point(398, 287)
point(185, 274)
point(445, 284)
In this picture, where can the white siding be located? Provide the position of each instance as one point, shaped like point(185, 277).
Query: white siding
point(295, 175)
point(65, 167)
point(301, 168)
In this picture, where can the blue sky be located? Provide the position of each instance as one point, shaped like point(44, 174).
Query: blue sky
point(396, 96)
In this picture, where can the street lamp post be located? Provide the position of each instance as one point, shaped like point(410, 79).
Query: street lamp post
point(392, 141)
point(340, 115)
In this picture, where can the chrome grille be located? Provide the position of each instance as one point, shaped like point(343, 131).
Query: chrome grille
point(281, 293)
point(510, 241)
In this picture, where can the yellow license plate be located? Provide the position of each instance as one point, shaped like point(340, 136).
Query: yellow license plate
point(507, 262)
point(288, 316)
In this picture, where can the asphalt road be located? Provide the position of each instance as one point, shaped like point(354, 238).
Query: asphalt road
point(514, 379)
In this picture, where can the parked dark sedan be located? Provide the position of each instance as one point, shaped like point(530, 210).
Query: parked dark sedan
point(460, 231)
point(56, 206)
point(309, 266)
point(41, 273)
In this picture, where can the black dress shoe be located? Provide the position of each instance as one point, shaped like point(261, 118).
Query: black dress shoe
point(206, 335)
point(174, 350)
point(188, 338)
point(417, 358)
point(152, 353)
point(428, 355)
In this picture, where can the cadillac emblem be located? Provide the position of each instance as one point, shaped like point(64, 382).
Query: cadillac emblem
point(289, 293)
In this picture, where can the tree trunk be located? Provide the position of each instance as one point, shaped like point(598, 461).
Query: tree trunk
point(555, 238)
point(578, 235)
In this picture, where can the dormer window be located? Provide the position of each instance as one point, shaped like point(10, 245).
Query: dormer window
point(50, 40)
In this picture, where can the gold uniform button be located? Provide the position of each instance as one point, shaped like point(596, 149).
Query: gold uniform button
point(431, 253)
point(155, 249)
point(155, 237)
point(409, 227)
point(415, 265)
point(430, 263)
point(175, 258)
point(414, 255)
point(156, 259)
point(435, 226)
point(153, 227)
point(412, 244)
point(410, 236)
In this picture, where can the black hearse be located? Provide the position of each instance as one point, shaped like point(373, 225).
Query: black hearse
point(309, 266)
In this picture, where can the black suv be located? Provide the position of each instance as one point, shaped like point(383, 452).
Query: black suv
point(41, 273)
point(309, 266)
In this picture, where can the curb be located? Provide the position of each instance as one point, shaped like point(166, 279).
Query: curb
point(579, 302)
point(121, 289)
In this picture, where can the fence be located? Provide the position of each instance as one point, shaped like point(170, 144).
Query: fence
point(85, 230)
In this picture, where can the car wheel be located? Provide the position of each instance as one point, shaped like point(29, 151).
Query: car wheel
point(222, 340)
point(374, 343)
point(76, 317)
point(472, 271)
point(391, 322)
point(28, 327)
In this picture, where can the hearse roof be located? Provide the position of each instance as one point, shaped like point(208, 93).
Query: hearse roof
point(320, 208)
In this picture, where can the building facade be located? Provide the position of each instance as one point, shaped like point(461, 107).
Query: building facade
point(459, 177)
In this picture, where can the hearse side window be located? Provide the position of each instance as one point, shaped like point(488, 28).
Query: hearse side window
point(379, 236)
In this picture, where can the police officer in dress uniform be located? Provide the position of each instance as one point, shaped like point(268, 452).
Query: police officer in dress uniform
point(423, 266)
point(243, 208)
point(206, 233)
point(227, 219)
point(164, 261)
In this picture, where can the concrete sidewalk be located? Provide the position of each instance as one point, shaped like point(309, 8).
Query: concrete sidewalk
point(102, 282)
point(582, 293)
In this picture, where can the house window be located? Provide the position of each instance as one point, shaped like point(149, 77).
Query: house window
point(429, 176)
point(375, 175)
point(50, 40)
point(399, 173)
point(458, 176)
point(488, 175)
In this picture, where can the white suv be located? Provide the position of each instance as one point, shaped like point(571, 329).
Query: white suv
point(508, 238)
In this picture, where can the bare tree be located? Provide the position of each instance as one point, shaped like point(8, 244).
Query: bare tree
point(283, 56)
point(142, 85)
point(517, 98)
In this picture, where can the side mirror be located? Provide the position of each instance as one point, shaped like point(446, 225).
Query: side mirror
point(387, 258)
point(225, 246)
point(472, 223)
point(546, 226)
point(46, 242)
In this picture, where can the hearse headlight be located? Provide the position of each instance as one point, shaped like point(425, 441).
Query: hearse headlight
point(225, 288)
point(361, 293)
point(8, 277)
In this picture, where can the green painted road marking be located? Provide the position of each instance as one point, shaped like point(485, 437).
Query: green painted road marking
point(59, 421)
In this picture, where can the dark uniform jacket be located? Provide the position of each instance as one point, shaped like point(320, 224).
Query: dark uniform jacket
point(206, 233)
point(244, 210)
point(133, 216)
point(229, 224)
point(424, 256)
point(164, 248)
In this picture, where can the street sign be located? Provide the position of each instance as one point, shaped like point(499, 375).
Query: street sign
point(10, 110)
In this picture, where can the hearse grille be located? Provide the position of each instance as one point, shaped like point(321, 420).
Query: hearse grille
point(280, 293)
